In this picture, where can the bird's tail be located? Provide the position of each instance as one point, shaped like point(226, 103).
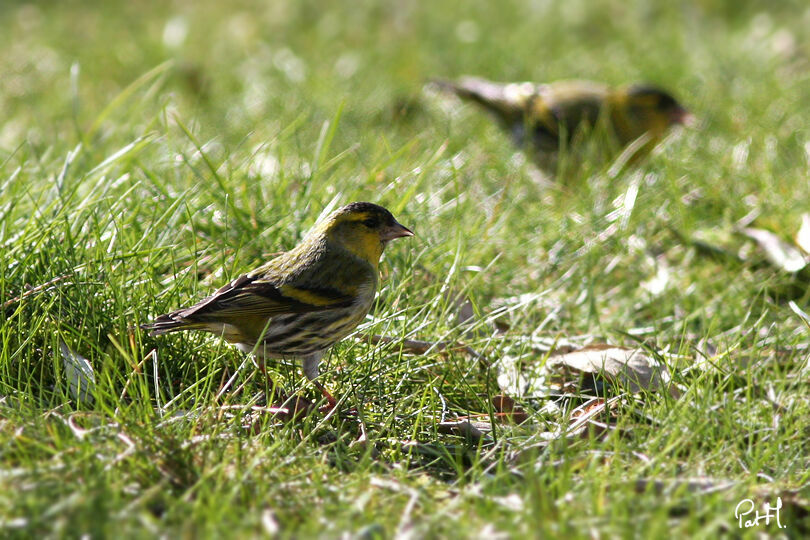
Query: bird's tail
point(506, 101)
point(171, 322)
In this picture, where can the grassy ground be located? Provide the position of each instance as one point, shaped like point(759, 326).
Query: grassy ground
point(150, 151)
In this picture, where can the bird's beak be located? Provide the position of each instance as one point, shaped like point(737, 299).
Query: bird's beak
point(396, 231)
point(683, 117)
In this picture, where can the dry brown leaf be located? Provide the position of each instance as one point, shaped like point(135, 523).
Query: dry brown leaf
point(79, 373)
point(583, 419)
point(628, 368)
point(589, 408)
point(778, 252)
point(505, 405)
point(465, 310)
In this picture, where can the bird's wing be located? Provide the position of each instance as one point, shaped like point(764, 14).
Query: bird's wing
point(255, 295)
point(506, 100)
point(571, 103)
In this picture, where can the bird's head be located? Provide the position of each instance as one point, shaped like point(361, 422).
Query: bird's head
point(364, 229)
point(655, 109)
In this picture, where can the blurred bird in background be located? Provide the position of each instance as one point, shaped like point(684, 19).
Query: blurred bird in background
point(545, 118)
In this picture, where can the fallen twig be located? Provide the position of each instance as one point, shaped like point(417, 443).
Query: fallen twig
point(702, 486)
point(472, 431)
point(35, 290)
point(421, 347)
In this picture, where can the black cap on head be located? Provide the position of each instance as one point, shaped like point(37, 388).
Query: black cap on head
point(368, 207)
point(665, 99)
point(662, 101)
point(374, 216)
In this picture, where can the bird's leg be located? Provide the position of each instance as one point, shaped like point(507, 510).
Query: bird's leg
point(331, 402)
point(310, 364)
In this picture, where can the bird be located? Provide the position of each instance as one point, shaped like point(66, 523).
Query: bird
point(543, 118)
point(303, 301)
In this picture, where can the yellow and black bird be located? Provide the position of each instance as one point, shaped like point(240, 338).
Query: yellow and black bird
point(305, 300)
point(542, 118)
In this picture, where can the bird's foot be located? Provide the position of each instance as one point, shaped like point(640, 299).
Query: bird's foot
point(331, 404)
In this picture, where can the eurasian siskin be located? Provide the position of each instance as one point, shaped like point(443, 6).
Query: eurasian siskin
point(542, 118)
point(305, 300)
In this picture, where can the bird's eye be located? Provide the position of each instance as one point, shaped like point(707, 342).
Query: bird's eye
point(370, 223)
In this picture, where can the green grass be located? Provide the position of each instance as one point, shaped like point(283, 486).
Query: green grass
point(151, 151)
